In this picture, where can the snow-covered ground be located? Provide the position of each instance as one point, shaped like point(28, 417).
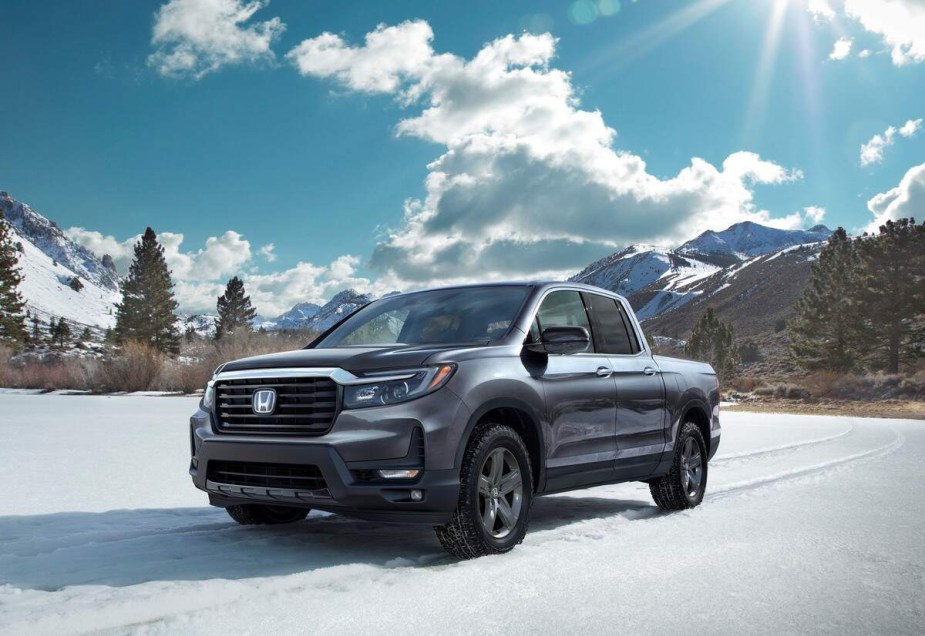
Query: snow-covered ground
point(811, 524)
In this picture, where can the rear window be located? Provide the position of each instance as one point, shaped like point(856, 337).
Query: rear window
point(612, 329)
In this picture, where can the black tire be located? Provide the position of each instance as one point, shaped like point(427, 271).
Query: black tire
point(467, 536)
point(259, 514)
point(676, 490)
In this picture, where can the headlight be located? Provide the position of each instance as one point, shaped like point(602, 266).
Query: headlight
point(208, 396)
point(396, 386)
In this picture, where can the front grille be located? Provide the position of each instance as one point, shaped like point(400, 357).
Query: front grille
point(289, 476)
point(305, 406)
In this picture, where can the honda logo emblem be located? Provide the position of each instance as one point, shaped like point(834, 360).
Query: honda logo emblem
point(264, 401)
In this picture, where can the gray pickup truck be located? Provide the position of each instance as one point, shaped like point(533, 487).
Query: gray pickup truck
point(455, 407)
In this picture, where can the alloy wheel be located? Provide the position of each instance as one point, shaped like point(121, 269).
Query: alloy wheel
point(501, 490)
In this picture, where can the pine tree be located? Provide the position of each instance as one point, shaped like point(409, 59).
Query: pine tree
point(52, 329)
point(36, 330)
point(62, 333)
point(12, 323)
point(86, 335)
point(146, 311)
point(234, 309)
point(828, 329)
point(891, 291)
point(713, 341)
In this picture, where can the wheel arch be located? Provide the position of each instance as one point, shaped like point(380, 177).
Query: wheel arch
point(697, 411)
point(517, 415)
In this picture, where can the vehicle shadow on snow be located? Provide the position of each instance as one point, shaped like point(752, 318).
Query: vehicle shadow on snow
point(128, 547)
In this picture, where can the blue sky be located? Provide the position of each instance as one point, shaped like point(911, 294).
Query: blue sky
point(225, 144)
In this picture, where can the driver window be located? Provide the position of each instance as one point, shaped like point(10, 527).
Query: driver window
point(562, 309)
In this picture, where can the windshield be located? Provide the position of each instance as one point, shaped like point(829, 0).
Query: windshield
point(442, 316)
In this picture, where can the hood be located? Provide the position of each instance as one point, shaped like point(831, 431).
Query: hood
point(353, 359)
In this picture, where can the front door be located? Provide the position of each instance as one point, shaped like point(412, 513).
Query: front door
point(581, 401)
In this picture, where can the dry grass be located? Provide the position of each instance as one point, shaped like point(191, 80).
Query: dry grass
point(139, 367)
point(897, 409)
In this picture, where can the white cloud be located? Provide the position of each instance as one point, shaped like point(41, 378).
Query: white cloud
point(529, 184)
point(841, 49)
point(905, 200)
point(910, 127)
point(821, 10)
point(195, 37)
point(389, 55)
point(865, 53)
point(267, 251)
point(872, 151)
point(200, 275)
point(813, 214)
point(899, 23)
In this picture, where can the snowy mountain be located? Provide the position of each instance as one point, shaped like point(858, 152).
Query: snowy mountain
point(201, 324)
point(50, 262)
point(51, 241)
point(754, 295)
point(311, 317)
point(745, 240)
point(640, 267)
point(659, 281)
point(292, 319)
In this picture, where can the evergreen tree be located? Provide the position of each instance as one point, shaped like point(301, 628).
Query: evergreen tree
point(12, 323)
point(234, 309)
point(891, 291)
point(64, 333)
point(52, 329)
point(146, 311)
point(86, 336)
point(36, 330)
point(713, 341)
point(60, 332)
point(828, 327)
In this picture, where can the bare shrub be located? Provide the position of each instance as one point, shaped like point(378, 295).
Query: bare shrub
point(185, 376)
point(743, 383)
point(824, 384)
point(782, 390)
point(5, 371)
point(135, 367)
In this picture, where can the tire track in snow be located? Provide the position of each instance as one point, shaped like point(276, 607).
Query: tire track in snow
point(772, 450)
point(804, 471)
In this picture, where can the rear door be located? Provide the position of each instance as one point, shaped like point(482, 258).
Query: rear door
point(581, 401)
point(641, 413)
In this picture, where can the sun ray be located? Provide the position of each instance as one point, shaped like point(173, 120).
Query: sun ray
point(627, 50)
point(758, 102)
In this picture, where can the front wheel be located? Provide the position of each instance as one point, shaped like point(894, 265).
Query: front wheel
point(685, 483)
point(495, 493)
point(256, 514)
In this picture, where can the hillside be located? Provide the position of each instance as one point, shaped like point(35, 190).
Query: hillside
point(755, 296)
point(49, 260)
point(751, 274)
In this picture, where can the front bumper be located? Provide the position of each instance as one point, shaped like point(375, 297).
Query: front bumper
point(359, 442)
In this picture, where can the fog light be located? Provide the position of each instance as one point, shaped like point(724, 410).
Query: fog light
point(401, 473)
point(417, 495)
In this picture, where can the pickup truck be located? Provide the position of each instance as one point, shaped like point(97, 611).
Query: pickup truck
point(455, 407)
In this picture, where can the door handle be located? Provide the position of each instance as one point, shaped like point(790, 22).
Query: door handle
point(604, 372)
point(649, 371)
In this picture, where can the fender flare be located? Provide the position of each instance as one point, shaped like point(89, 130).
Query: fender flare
point(511, 403)
point(689, 402)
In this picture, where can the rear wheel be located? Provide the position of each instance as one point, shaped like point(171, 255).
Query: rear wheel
point(685, 483)
point(495, 493)
point(256, 514)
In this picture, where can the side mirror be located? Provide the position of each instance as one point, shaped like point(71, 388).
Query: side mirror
point(563, 340)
